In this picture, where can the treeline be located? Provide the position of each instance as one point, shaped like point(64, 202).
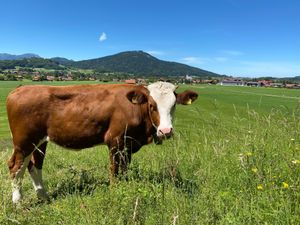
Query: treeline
point(30, 63)
point(284, 80)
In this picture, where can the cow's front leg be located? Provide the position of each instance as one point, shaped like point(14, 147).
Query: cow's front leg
point(114, 164)
point(119, 162)
point(124, 162)
point(35, 170)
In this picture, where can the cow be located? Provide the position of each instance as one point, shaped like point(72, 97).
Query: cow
point(122, 116)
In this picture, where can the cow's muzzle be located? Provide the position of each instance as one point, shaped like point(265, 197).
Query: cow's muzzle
point(165, 133)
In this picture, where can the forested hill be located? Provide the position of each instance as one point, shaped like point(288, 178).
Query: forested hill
point(6, 56)
point(137, 63)
point(132, 62)
point(141, 63)
point(30, 63)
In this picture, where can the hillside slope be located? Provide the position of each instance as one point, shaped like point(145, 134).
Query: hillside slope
point(5, 56)
point(140, 63)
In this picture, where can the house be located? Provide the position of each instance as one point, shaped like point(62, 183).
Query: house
point(232, 82)
point(188, 78)
point(19, 77)
point(265, 83)
point(36, 78)
point(130, 81)
point(277, 85)
point(68, 78)
point(141, 81)
point(293, 86)
point(254, 84)
point(50, 78)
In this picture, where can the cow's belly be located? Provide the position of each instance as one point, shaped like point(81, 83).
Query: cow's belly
point(76, 137)
point(76, 143)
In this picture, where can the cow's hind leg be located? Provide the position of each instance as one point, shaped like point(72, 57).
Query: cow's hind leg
point(35, 169)
point(17, 165)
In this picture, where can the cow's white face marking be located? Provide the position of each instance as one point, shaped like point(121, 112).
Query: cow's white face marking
point(42, 141)
point(163, 95)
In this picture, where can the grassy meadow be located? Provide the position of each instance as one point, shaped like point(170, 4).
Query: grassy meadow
point(234, 159)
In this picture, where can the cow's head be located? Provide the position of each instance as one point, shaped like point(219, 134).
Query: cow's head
point(149, 110)
point(165, 97)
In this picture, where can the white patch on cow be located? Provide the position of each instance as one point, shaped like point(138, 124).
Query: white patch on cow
point(17, 181)
point(16, 195)
point(42, 141)
point(37, 181)
point(163, 95)
point(36, 176)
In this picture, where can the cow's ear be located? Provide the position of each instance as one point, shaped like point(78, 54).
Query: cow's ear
point(186, 98)
point(137, 97)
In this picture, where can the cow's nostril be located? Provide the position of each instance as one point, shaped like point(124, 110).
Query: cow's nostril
point(165, 132)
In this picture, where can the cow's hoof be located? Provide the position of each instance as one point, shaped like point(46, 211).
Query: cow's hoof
point(42, 195)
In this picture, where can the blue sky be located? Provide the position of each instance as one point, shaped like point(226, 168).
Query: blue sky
point(233, 37)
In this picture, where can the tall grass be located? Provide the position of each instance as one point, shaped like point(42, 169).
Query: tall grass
point(233, 160)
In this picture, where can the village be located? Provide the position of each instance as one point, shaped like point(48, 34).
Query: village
point(67, 75)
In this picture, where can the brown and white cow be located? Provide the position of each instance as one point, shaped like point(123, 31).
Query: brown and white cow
point(124, 117)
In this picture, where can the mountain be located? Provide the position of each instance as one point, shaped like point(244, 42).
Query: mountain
point(30, 63)
point(62, 61)
point(295, 79)
point(5, 56)
point(131, 62)
point(138, 63)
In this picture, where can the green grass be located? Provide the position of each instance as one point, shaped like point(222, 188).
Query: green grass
point(234, 160)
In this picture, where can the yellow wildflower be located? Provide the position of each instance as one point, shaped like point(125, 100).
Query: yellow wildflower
point(296, 161)
point(260, 187)
point(249, 154)
point(241, 156)
point(285, 185)
point(254, 170)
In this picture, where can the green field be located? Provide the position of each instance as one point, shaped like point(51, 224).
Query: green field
point(234, 159)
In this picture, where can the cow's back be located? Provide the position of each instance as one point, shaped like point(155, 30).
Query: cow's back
point(82, 113)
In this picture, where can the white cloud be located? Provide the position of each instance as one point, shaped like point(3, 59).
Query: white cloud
point(228, 63)
point(195, 60)
point(232, 52)
point(102, 37)
point(221, 59)
point(261, 68)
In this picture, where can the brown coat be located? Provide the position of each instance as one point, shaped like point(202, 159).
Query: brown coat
point(81, 116)
point(124, 117)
